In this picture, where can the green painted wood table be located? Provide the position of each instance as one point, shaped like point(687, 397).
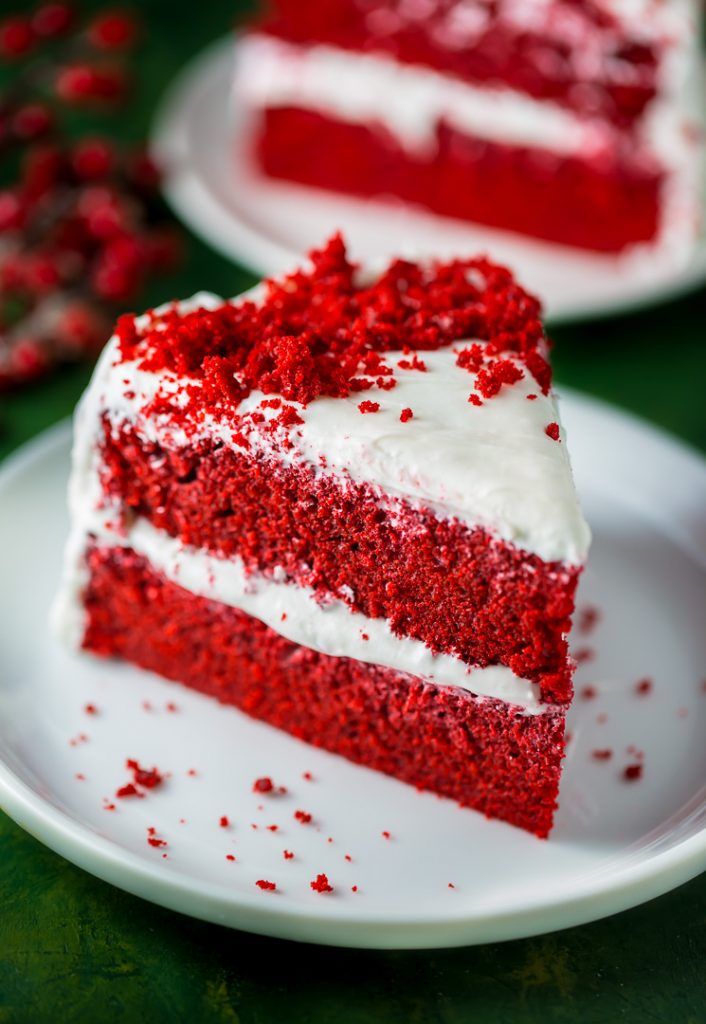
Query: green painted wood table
point(73, 949)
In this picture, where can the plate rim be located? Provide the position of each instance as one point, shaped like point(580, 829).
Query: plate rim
point(600, 896)
point(231, 236)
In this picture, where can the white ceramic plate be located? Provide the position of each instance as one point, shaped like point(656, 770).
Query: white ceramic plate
point(615, 843)
point(200, 137)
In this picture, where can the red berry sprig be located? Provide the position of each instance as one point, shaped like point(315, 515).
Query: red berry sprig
point(82, 226)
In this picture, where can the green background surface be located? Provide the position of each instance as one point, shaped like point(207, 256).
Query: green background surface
point(77, 950)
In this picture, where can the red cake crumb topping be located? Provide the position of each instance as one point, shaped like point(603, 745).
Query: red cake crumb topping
point(451, 885)
point(644, 687)
point(287, 854)
point(90, 709)
point(386, 835)
point(589, 693)
point(264, 785)
point(347, 857)
point(318, 333)
point(367, 406)
point(171, 706)
point(303, 816)
point(108, 806)
point(229, 856)
point(602, 755)
point(354, 888)
point(308, 776)
point(150, 778)
point(223, 821)
point(406, 415)
point(262, 883)
point(632, 772)
point(321, 884)
point(552, 430)
point(80, 776)
point(273, 828)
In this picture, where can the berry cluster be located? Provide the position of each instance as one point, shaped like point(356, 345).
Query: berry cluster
point(82, 227)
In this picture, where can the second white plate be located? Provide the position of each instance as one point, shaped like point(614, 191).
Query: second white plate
point(200, 137)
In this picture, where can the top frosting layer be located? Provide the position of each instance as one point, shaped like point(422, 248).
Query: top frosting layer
point(462, 423)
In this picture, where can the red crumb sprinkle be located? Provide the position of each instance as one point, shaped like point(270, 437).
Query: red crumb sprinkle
point(588, 618)
point(303, 816)
point(367, 406)
point(531, 398)
point(588, 693)
point(354, 888)
point(127, 790)
point(262, 883)
point(253, 826)
point(192, 772)
point(451, 885)
point(90, 709)
point(273, 828)
point(474, 399)
point(386, 835)
point(109, 807)
point(348, 857)
point(632, 772)
point(643, 687)
point(229, 856)
point(149, 778)
point(317, 332)
point(321, 884)
point(602, 755)
point(287, 854)
point(282, 790)
point(80, 776)
point(154, 840)
point(308, 776)
point(405, 415)
point(364, 636)
point(146, 706)
point(583, 654)
point(552, 430)
point(223, 821)
point(171, 706)
point(263, 785)
point(415, 363)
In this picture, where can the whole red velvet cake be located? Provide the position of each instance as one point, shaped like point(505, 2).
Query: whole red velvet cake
point(577, 123)
point(343, 503)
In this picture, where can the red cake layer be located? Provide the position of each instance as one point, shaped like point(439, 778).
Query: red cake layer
point(453, 587)
point(478, 752)
point(541, 59)
point(603, 204)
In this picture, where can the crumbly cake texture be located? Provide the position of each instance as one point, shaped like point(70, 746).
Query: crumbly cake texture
point(592, 108)
point(343, 504)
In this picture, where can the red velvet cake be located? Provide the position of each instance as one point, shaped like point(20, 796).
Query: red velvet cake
point(343, 503)
point(576, 123)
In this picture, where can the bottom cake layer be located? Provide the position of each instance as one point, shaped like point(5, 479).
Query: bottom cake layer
point(480, 752)
point(569, 200)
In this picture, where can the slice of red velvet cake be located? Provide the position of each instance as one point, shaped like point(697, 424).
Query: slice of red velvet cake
point(344, 505)
point(578, 123)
